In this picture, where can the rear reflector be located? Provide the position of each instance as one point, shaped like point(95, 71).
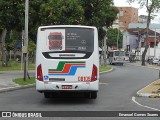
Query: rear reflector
point(94, 73)
point(39, 73)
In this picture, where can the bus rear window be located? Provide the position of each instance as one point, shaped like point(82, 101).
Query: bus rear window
point(80, 39)
point(71, 39)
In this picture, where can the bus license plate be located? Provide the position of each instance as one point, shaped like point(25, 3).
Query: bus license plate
point(66, 86)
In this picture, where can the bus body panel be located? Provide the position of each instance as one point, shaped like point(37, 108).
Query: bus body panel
point(61, 70)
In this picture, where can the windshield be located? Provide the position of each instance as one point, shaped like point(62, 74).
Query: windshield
point(119, 53)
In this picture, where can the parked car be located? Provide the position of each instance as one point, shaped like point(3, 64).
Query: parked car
point(150, 59)
point(155, 61)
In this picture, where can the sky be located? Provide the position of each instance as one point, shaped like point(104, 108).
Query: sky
point(141, 11)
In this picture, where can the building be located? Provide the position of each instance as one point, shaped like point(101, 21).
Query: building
point(134, 37)
point(126, 16)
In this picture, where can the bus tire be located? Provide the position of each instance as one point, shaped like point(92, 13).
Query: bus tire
point(87, 94)
point(93, 95)
point(47, 94)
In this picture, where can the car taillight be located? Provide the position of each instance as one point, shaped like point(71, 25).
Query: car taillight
point(94, 73)
point(39, 73)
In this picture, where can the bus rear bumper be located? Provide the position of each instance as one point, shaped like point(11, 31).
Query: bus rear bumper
point(68, 87)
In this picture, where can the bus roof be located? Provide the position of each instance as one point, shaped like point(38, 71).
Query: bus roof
point(81, 26)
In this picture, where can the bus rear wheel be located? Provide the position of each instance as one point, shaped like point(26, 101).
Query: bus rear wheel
point(90, 95)
point(93, 95)
point(47, 94)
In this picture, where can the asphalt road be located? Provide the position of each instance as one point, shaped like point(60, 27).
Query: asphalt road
point(116, 91)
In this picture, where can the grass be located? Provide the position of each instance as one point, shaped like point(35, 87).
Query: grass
point(14, 65)
point(21, 81)
point(104, 68)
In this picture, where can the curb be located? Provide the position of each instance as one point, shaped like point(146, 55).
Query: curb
point(106, 71)
point(16, 88)
point(31, 85)
point(150, 95)
point(150, 67)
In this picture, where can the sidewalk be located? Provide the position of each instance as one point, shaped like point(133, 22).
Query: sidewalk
point(152, 90)
point(6, 78)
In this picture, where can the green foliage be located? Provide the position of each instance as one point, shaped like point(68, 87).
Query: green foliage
point(32, 46)
point(14, 65)
point(21, 81)
point(97, 13)
point(112, 37)
point(12, 14)
point(12, 40)
point(104, 68)
point(61, 12)
point(35, 15)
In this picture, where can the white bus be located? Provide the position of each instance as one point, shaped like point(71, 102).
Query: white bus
point(67, 60)
point(116, 57)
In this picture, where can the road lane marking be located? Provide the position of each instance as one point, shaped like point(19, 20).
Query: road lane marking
point(134, 100)
point(103, 83)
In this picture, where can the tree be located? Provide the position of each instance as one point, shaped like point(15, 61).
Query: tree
point(152, 6)
point(12, 14)
point(11, 17)
point(99, 13)
point(61, 12)
point(112, 37)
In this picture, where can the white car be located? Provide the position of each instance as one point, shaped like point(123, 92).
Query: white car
point(155, 61)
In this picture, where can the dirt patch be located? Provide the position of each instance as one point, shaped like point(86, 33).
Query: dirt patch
point(153, 89)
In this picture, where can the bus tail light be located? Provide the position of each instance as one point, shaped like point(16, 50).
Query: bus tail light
point(39, 73)
point(114, 59)
point(94, 73)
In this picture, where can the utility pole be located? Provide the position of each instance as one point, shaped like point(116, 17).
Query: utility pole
point(25, 48)
point(118, 30)
point(155, 43)
point(105, 49)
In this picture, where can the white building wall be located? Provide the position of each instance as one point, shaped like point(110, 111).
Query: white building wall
point(126, 38)
point(150, 52)
point(129, 40)
point(133, 41)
